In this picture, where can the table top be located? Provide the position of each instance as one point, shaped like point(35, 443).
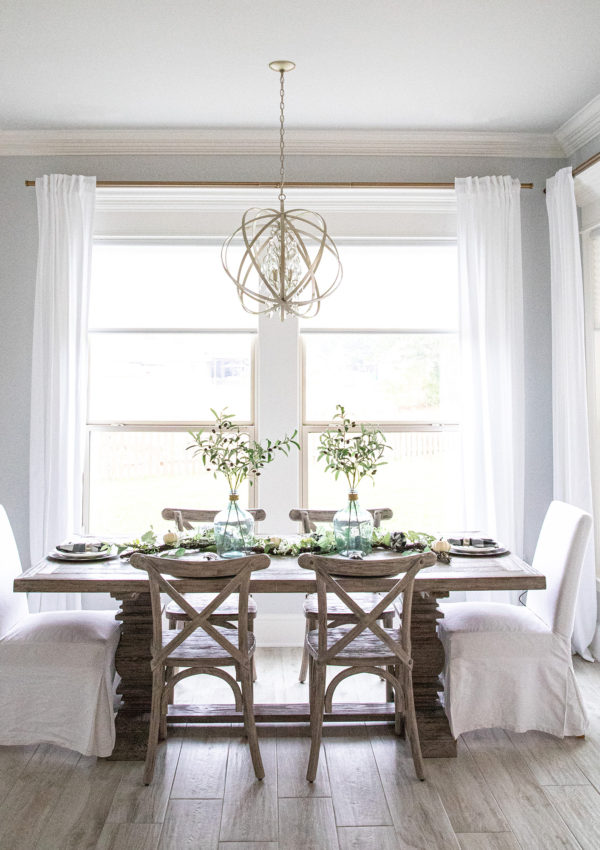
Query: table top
point(282, 576)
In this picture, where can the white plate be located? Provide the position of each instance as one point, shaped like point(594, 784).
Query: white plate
point(81, 556)
point(476, 548)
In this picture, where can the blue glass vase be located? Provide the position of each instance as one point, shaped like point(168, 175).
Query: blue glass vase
point(353, 529)
point(234, 530)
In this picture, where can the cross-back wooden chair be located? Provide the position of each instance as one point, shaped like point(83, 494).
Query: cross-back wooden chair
point(338, 614)
point(309, 517)
point(184, 517)
point(365, 646)
point(200, 646)
point(227, 614)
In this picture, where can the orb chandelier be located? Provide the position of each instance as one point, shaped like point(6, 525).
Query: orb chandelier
point(283, 262)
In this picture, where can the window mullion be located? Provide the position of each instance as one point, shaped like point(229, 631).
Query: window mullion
point(278, 413)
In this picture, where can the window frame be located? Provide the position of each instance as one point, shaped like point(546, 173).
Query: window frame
point(314, 426)
point(247, 426)
point(388, 428)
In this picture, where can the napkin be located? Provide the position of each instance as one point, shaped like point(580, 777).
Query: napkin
point(75, 546)
point(472, 541)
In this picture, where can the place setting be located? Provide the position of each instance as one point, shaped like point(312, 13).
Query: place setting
point(84, 549)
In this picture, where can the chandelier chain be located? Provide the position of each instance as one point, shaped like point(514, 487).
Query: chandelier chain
point(281, 136)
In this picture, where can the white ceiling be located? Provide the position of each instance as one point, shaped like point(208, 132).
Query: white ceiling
point(508, 65)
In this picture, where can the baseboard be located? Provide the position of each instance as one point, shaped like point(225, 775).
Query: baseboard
point(279, 630)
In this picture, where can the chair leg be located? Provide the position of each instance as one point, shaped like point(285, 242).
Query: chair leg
point(170, 672)
point(388, 623)
point(399, 716)
point(253, 662)
point(249, 721)
point(177, 625)
point(153, 729)
point(389, 691)
point(162, 731)
point(317, 699)
point(412, 730)
point(305, 656)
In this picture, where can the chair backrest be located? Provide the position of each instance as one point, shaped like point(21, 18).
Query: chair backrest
point(184, 517)
point(308, 517)
point(559, 555)
point(13, 606)
point(327, 571)
point(235, 572)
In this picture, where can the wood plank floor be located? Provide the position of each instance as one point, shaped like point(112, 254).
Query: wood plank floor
point(503, 792)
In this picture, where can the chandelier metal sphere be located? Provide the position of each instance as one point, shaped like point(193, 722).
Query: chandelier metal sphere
point(274, 256)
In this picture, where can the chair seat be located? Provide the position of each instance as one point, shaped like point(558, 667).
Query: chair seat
point(227, 611)
point(490, 617)
point(337, 608)
point(364, 649)
point(493, 630)
point(201, 649)
point(91, 628)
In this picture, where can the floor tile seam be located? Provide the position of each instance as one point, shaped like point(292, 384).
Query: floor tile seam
point(489, 788)
point(58, 798)
point(570, 831)
point(382, 783)
point(519, 799)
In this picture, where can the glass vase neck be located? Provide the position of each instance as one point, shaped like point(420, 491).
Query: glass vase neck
point(233, 497)
point(353, 496)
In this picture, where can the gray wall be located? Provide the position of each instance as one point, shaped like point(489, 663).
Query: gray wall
point(18, 247)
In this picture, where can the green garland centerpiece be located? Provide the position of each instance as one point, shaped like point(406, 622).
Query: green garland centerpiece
point(320, 542)
point(228, 451)
point(355, 454)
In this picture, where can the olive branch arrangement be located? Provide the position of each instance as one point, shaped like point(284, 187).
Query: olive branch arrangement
point(354, 455)
point(228, 451)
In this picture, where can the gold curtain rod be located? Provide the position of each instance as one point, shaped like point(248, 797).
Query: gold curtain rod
point(587, 164)
point(234, 185)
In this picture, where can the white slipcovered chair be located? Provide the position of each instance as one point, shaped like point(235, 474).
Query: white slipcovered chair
point(56, 668)
point(510, 666)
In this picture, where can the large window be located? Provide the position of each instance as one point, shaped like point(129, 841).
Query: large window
point(166, 343)
point(391, 347)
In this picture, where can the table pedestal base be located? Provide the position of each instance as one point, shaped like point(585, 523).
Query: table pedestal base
point(428, 655)
point(132, 662)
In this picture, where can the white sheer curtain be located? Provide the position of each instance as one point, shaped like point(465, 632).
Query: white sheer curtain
point(58, 383)
point(491, 334)
point(572, 467)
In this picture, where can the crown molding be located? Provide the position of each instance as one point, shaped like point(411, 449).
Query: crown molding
point(138, 199)
point(244, 142)
point(581, 128)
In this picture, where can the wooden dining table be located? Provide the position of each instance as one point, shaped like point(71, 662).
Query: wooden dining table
point(130, 587)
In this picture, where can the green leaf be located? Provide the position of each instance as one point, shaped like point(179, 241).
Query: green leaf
point(149, 536)
point(174, 553)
